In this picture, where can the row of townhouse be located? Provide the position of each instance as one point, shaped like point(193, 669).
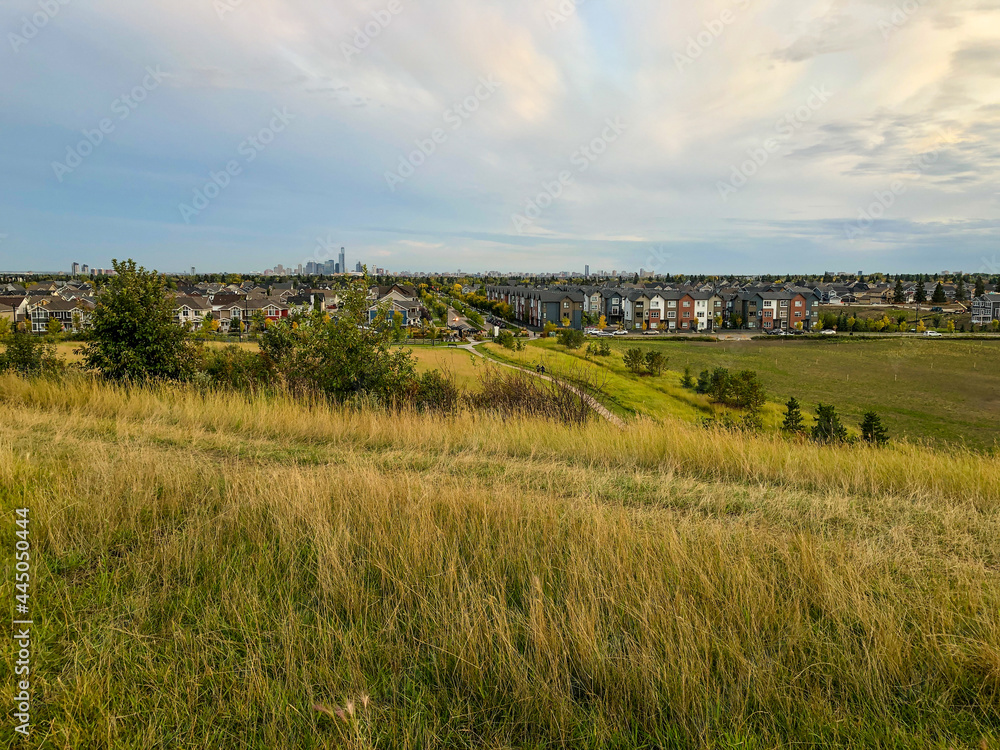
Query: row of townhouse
point(681, 310)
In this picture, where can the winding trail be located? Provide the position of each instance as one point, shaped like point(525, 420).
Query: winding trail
point(596, 405)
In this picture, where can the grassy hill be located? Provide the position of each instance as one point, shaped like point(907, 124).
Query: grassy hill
point(943, 392)
point(210, 568)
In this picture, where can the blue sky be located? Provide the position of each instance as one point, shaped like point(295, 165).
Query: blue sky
point(732, 136)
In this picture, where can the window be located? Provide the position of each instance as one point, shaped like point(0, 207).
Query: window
point(671, 314)
point(784, 303)
point(687, 303)
point(671, 303)
point(565, 305)
point(798, 303)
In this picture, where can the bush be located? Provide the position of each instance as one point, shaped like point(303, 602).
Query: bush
point(570, 338)
point(436, 392)
point(235, 367)
point(29, 355)
point(507, 340)
point(510, 392)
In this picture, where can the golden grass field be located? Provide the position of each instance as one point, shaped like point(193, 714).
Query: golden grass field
point(210, 568)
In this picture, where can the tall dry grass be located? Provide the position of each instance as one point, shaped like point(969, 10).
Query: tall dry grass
point(211, 568)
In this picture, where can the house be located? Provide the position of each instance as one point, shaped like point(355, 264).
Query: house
point(986, 309)
point(19, 304)
point(70, 314)
point(191, 310)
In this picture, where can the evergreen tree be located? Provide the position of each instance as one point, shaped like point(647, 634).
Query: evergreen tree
point(793, 417)
point(872, 430)
point(828, 427)
point(939, 296)
point(898, 293)
point(980, 286)
point(960, 289)
point(921, 291)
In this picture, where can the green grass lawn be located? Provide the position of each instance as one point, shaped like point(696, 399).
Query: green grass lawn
point(621, 391)
point(943, 392)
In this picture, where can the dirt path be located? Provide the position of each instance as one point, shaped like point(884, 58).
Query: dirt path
point(596, 405)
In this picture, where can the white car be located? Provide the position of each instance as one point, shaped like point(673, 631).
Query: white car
point(828, 332)
point(620, 333)
point(932, 334)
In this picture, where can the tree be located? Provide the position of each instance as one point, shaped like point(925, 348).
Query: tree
point(635, 360)
point(951, 326)
point(921, 295)
point(687, 380)
point(4, 328)
point(920, 326)
point(939, 295)
point(980, 286)
point(745, 391)
point(960, 289)
point(602, 323)
point(828, 427)
point(793, 417)
point(342, 357)
point(209, 324)
point(53, 326)
point(656, 362)
point(571, 338)
point(872, 430)
point(133, 333)
point(77, 321)
point(899, 293)
point(549, 329)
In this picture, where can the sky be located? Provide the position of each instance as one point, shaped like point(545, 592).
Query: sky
point(677, 136)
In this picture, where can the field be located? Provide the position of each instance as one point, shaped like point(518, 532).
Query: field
point(945, 392)
point(211, 570)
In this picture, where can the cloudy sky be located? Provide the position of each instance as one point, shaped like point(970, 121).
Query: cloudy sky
point(675, 135)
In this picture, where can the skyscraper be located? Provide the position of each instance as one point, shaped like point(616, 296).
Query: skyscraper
point(586, 271)
point(343, 261)
point(76, 268)
point(357, 268)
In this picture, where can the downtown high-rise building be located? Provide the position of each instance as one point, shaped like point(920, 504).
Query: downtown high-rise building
point(343, 262)
point(76, 268)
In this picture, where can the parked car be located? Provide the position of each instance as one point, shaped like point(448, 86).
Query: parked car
point(932, 334)
point(651, 332)
point(604, 334)
point(620, 333)
point(937, 309)
point(778, 332)
point(590, 331)
point(828, 332)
